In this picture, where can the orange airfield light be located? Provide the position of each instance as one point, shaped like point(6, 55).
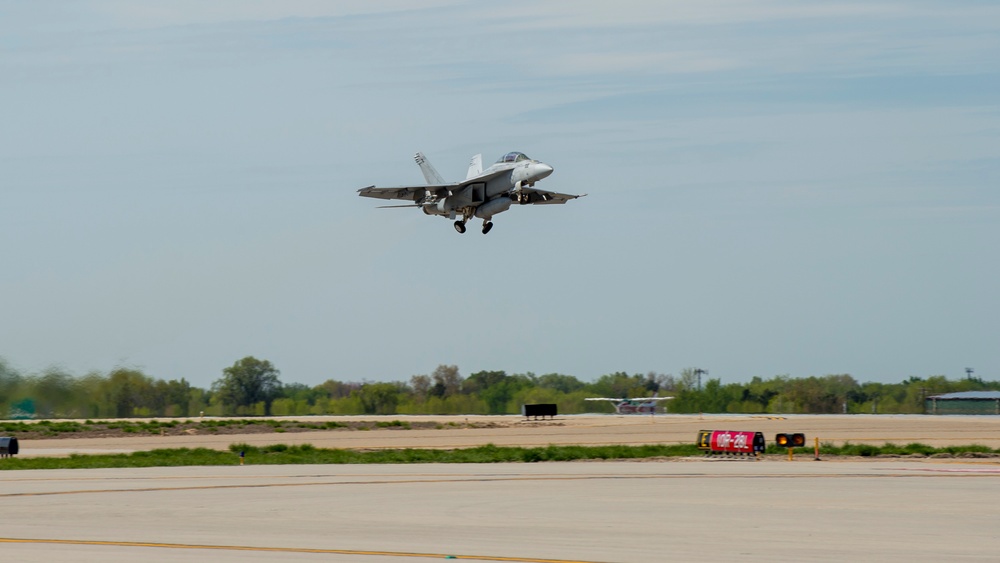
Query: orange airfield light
point(796, 440)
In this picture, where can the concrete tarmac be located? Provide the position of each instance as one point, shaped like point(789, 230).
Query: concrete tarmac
point(682, 510)
point(573, 429)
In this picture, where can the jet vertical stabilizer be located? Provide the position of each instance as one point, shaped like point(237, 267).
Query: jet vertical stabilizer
point(430, 174)
point(475, 167)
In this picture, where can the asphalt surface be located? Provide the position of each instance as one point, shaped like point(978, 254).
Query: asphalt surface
point(686, 510)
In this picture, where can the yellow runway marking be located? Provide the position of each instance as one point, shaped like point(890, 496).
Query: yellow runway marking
point(291, 550)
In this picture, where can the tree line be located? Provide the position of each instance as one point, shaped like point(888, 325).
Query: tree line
point(253, 387)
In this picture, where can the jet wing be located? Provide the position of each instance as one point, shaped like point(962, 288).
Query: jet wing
point(415, 193)
point(410, 193)
point(543, 197)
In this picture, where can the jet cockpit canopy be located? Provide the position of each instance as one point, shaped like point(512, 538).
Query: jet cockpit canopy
point(512, 157)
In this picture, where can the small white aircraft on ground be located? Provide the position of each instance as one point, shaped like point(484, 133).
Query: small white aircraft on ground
point(645, 405)
point(483, 193)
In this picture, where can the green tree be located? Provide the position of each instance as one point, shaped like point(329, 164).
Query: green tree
point(421, 386)
point(761, 392)
point(491, 387)
point(656, 382)
point(10, 385)
point(482, 380)
point(447, 381)
point(714, 396)
point(684, 389)
point(827, 394)
point(560, 382)
point(174, 397)
point(499, 395)
point(379, 398)
point(248, 382)
point(90, 394)
point(52, 392)
point(302, 393)
point(620, 384)
point(127, 391)
point(197, 401)
point(334, 389)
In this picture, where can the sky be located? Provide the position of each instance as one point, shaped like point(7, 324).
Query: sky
point(774, 187)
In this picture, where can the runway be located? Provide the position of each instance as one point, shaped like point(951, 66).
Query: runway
point(588, 512)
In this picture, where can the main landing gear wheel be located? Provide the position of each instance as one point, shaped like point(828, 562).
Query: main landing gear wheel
point(487, 226)
point(460, 226)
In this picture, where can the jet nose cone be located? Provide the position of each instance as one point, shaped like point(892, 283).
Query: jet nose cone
point(542, 170)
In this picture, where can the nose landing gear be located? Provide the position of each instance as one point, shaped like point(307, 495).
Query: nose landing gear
point(460, 226)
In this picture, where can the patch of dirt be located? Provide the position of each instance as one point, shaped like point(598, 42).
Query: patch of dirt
point(227, 428)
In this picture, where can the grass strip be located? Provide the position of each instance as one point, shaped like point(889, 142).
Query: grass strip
point(890, 449)
point(282, 454)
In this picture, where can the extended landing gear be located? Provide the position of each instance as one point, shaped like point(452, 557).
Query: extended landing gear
point(487, 226)
point(460, 226)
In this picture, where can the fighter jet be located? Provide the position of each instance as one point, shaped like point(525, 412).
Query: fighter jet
point(483, 193)
point(644, 405)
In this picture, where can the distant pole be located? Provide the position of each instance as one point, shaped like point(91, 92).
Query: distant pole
point(699, 372)
point(968, 373)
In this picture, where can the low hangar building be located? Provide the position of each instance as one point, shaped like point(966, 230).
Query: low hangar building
point(965, 402)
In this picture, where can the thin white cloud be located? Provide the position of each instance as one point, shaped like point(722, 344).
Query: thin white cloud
point(571, 14)
point(592, 63)
point(191, 12)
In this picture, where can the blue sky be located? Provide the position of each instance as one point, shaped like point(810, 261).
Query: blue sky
point(797, 188)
